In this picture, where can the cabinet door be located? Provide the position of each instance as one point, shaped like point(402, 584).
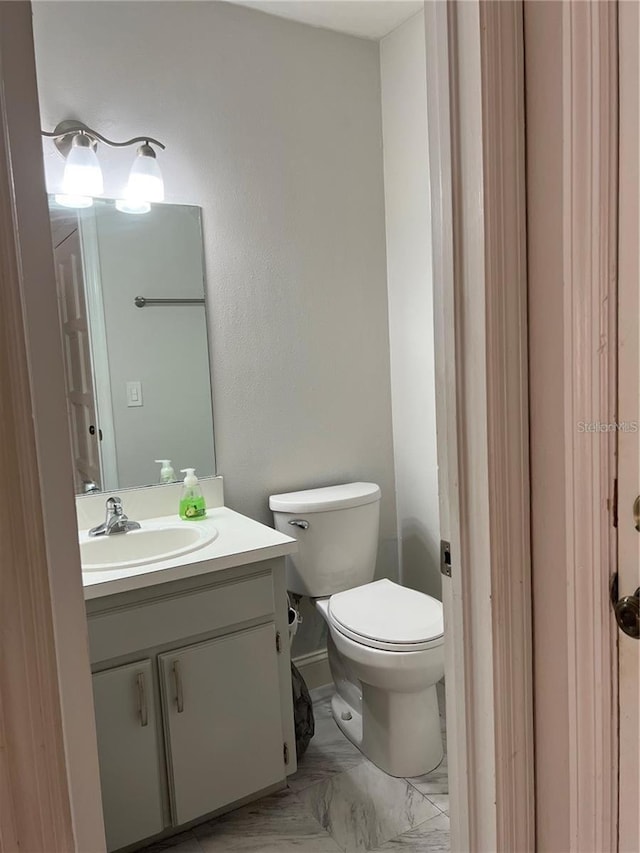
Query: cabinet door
point(223, 720)
point(128, 753)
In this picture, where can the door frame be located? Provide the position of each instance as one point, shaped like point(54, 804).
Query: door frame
point(475, 91)
point(572, 178)
point(475, 125)
point(627, 559)
point(47, 723)
point(482, 387)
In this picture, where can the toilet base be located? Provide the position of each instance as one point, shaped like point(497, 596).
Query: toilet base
point(349, 720)
point(398, 732)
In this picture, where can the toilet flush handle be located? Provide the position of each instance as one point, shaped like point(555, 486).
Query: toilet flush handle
point(299, 522)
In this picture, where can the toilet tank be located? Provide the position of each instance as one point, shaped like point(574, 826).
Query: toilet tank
point(337, 532)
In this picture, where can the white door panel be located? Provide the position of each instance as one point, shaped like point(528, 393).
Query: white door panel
point(223, 721)
point(127, 731)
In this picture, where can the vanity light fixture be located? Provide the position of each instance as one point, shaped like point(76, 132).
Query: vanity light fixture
point(82, 179)
point(82, 174)
point(145, 183)
point(145, 178)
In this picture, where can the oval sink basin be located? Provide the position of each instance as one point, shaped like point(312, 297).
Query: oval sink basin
point(150, 544)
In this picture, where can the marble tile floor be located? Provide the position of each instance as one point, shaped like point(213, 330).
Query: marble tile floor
point(337, 801)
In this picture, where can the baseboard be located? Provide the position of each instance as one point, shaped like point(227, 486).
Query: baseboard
point(314, 668)
point(317, 694)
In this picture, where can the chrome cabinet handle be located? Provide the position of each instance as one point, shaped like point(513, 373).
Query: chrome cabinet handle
point(143, 711)
point(178, 680)
point(299, 522)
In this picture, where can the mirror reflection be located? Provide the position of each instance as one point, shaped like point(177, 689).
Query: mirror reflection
point(132, 314)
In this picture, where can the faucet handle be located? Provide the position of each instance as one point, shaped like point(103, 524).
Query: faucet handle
point(116, 521)
point(114, 506)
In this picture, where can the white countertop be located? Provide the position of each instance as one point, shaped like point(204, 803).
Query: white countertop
point(240, 541)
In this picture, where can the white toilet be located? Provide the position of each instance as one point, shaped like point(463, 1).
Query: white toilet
point(385, 641)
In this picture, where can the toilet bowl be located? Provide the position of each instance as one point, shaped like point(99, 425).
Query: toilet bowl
point(385, 643)
point(386, 701)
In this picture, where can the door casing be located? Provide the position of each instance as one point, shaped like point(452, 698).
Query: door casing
point(475, 93)
point(628, 415)
point(46, 717)
point(475, 90)
point(572, 146)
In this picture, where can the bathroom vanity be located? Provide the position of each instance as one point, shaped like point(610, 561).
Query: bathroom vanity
point(191, 679)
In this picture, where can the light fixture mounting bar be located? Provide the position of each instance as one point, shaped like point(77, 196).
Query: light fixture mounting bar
point(64, 132)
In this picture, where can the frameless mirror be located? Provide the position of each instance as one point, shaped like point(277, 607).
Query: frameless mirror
point(132, 313)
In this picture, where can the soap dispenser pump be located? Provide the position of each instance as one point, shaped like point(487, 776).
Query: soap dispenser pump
point(192, 505)
point(167, 474)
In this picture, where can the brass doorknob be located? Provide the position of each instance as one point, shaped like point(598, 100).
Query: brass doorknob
point(627, 611)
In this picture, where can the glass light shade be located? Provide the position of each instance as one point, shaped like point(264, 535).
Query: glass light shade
point(125, 205)
point(75, 201)
point(145, 179)
point(82, 172)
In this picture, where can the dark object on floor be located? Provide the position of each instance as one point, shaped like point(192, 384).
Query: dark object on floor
point(302, 712)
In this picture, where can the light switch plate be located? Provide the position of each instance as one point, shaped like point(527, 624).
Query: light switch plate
point(134, 394)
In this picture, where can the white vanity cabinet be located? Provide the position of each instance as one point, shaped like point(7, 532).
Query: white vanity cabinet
point(192, 689)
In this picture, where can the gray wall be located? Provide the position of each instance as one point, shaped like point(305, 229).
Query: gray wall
point(274, 128)
point(403, 66)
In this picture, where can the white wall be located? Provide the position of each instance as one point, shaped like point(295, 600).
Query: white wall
point(410, 286)
point(274, 128)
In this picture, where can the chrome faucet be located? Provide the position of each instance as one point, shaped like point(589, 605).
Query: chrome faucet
point(115, 522)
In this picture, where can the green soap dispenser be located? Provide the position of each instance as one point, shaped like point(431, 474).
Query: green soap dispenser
point(192, 505)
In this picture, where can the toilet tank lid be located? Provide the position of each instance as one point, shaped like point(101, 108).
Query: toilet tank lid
point(326, 498)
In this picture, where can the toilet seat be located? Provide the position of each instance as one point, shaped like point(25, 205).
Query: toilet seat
point(384, 615)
